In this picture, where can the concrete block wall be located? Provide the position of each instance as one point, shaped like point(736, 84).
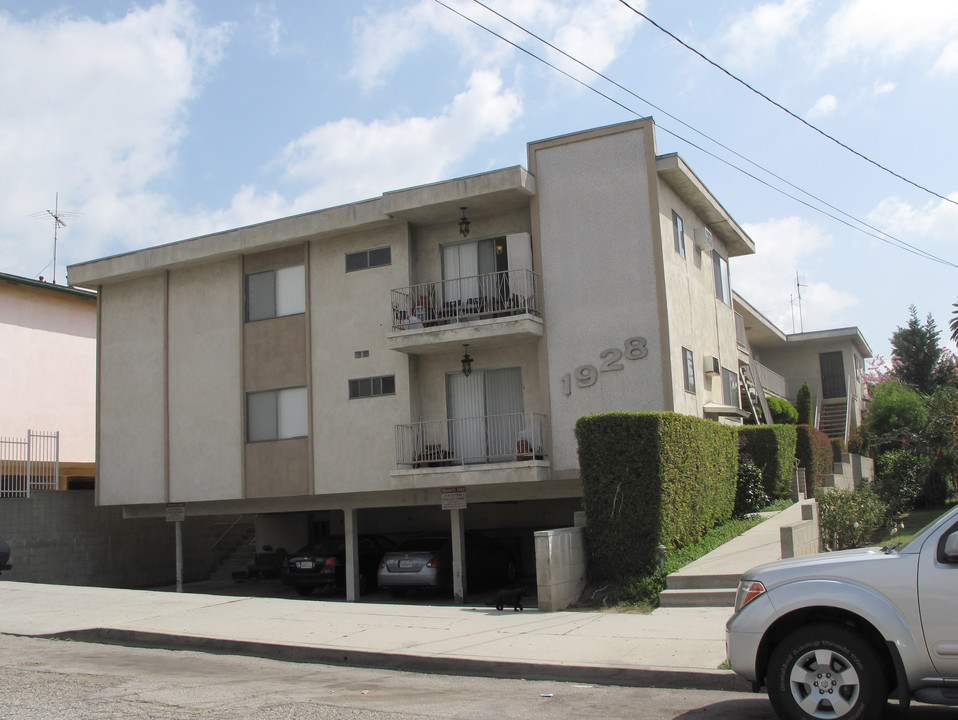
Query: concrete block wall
point(61, 537)
point(802, 538)
point(561, 567)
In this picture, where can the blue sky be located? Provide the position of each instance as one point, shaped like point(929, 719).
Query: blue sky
point(164, 120)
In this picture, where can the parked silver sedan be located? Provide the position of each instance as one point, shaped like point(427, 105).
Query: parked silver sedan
point(425, 562)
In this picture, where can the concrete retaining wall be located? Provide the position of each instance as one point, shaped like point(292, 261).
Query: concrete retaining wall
point(561, 567)
point(802, 538)
point(63, 538)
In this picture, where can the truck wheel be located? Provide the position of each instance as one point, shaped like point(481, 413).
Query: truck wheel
point(823, 672)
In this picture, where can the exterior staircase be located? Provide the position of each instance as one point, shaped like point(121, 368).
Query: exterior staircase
point(239, 550)
point(834, 418)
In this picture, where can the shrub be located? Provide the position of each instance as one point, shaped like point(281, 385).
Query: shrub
point(813, 450)
point(857, 443)
point(783, 412)
point(651, 478)
point(803, 405)
point(851, 518)
point(750, 494)
point(901, 477)
point(772, 449)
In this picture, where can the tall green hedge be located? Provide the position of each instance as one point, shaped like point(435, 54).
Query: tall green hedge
point(772, 448)
point(813, 450)
point(651, 478)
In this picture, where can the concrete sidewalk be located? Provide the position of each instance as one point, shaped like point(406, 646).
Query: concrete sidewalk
point(671, 647)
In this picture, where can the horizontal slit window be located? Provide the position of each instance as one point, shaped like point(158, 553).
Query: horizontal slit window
point(372, 386)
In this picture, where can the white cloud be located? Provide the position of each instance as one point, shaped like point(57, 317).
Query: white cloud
point(888, 30)
point(594, 31)
point(884, 88)
point(767, 279)
point(349, 160)
point(758, 34)
point(927, 226)
point(826, 105)
point(93, 110)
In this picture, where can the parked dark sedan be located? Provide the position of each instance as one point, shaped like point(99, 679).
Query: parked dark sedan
point(425, 562)
point(322, 563)
point(5, 555)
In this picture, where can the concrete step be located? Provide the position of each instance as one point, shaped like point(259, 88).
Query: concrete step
point(706, 597)
point(679, 581)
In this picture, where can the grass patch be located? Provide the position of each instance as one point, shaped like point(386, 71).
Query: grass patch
point(778, 505)
point(641, 594)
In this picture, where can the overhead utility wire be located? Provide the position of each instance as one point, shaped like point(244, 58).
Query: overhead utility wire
point(786, 110)
point(900, 243)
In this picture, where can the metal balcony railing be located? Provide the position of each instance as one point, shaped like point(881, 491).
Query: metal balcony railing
point(771, 381)
point(467, 441)
point(494, 295)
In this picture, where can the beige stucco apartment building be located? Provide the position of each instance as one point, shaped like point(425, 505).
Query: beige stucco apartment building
point(313, 369)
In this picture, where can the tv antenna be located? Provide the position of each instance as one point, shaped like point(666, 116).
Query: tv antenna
point(58, 222)
point(797, 299)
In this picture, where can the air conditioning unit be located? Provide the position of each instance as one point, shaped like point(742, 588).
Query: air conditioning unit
point(703, 239)
point(712, 366)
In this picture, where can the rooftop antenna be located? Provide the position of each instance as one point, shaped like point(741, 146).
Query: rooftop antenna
point(58, 222)
point(793, 299)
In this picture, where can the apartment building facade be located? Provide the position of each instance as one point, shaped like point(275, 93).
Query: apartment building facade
point(336, 371)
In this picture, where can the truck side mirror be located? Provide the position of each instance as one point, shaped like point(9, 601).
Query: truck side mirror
point(951, 547)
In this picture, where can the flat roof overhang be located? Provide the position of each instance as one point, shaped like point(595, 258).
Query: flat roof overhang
point(422, 205)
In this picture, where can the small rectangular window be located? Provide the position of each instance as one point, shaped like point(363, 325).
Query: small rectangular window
point(276, 293)
point(723, 288)
point(276, 414)
point(372, 387)
point(730, 393)
point(678, 231)
point(688, 362)
point(364, 259)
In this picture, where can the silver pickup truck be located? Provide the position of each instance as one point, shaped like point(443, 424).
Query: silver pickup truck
point(835, 635)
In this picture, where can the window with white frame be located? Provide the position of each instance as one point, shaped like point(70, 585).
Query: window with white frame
point(723, 287)
point(688, 363)
point(276, 293)
point(730, 393)
point(276, 414)
point(678, 232)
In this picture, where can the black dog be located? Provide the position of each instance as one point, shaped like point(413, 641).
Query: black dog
point(510, 596)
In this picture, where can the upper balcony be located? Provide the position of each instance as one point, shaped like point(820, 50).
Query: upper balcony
point(490, 310)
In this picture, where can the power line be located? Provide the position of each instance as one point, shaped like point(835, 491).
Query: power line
point(786, 110)
point(888, 239)
point(895, 241)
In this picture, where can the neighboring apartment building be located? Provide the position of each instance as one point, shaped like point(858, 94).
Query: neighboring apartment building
point(333, 371)
point(47, 386)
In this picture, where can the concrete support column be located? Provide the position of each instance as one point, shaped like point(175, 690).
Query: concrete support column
point(459, 580)
point(351, 535)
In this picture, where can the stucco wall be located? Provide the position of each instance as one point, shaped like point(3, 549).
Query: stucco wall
point(599, 278)
point(132, 434)
point(206, 401)
point(48, 378)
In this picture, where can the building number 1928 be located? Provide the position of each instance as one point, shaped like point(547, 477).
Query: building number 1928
point(585, 376)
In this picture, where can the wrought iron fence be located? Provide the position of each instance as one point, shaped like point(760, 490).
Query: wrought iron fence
point(487, 439)
point(493, 295)
point(28, 464)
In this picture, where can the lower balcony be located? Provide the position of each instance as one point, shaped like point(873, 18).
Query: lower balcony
point(516, 437)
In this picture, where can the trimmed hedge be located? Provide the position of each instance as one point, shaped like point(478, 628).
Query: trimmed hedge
point(651, 478)
point(813, 450)
point(772, 449)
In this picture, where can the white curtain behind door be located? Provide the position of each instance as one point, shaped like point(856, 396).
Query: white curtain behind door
point(485, 413)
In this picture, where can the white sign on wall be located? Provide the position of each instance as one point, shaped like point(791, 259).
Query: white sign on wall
point(453, 498)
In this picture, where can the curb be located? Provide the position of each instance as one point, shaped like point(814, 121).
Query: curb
point(675, 679)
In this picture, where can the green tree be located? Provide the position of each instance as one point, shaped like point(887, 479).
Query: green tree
point(917, 358)
point(803, 404)
point(896, 413)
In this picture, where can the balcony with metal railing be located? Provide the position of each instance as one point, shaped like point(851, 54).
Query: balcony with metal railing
point(511, 438)
point(494, 308)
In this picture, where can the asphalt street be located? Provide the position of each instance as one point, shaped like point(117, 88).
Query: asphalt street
point(57, 680)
